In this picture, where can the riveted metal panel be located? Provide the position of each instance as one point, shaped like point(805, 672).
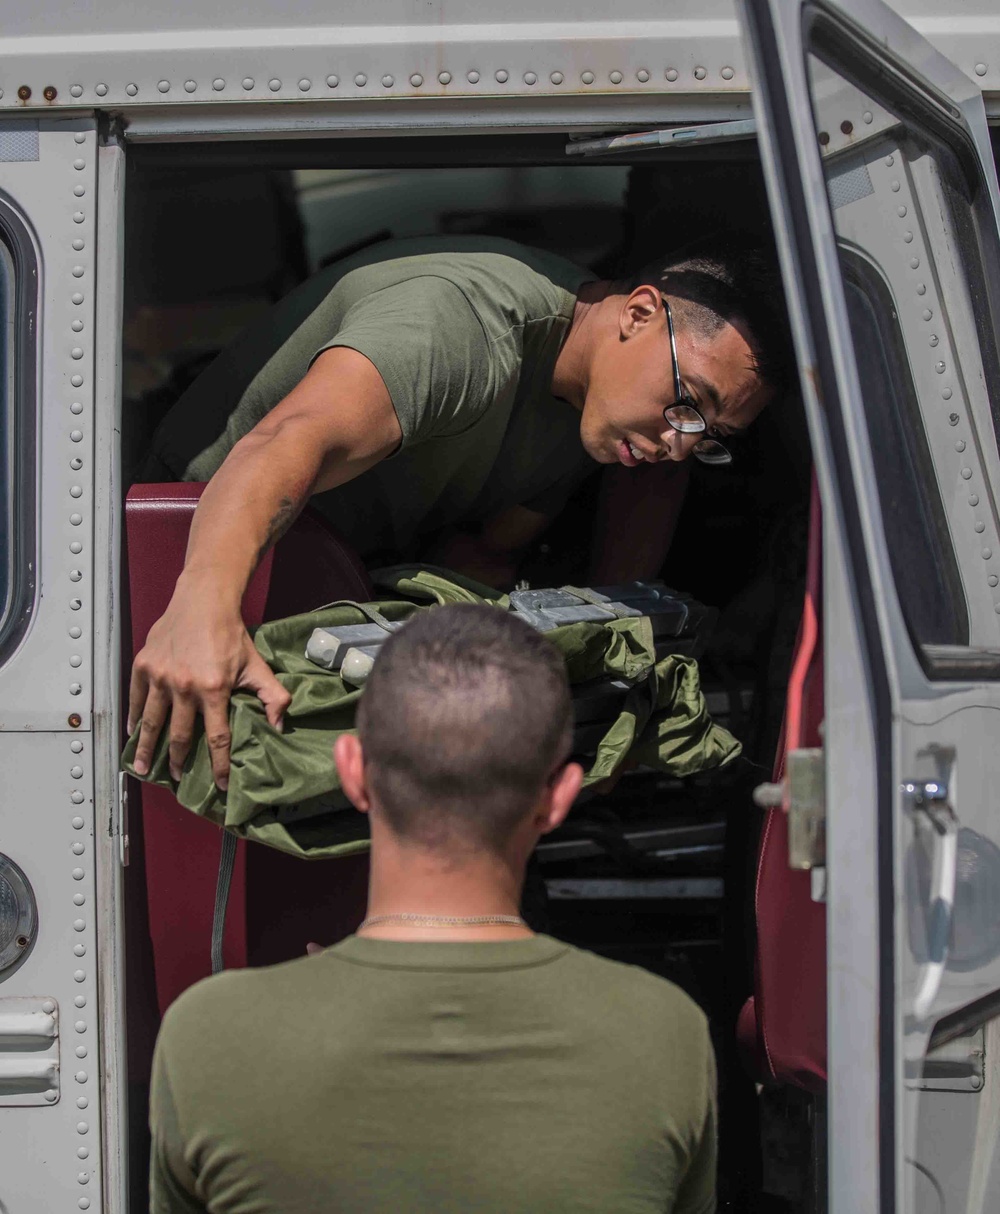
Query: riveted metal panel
point(937, 324)
point(119, 55)
point(447, 51)
point(50, 1156)
point(893, 969)
point(47, 680)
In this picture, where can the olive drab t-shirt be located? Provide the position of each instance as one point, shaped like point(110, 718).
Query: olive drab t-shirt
point(465, 335)
point(512, 1077)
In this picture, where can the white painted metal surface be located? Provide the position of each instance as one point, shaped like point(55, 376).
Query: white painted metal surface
point(51, 1153)
point(889, 721)
point(128, 57)
point(110, 840)
point(29, 1052)
point(49, 677)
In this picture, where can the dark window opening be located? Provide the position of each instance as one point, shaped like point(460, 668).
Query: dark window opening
point(913, 515)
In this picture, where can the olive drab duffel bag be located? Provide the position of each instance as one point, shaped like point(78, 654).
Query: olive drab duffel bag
point(283, 787)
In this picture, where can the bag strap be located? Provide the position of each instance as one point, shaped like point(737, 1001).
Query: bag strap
point(617, 609)
point(366, 609)
point(253, 608)
point(227, 857)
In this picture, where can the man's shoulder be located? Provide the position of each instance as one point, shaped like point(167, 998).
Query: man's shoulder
point(632, 991)
point(454, 258)
point(235, 1004)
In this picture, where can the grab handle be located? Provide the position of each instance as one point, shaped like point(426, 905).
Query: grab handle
point(930, 799)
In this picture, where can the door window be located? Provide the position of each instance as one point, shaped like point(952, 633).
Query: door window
point(917, 244)
point(18, 322)
point(8, 367)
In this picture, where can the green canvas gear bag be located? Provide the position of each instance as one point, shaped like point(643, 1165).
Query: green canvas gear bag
point(283, 787)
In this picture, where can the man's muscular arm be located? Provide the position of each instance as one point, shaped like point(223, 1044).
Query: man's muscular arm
point(637, 512)
point(337, 423)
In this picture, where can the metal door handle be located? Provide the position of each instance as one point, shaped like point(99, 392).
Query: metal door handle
point(930, 798)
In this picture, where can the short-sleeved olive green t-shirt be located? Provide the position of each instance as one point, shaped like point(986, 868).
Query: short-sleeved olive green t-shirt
point(514, 1077)
point(465, 335)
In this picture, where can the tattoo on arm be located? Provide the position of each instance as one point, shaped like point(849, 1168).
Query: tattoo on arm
point(281, 520)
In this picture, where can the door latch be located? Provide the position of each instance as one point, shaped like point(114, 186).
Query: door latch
point(930, 797)
point(803, 795)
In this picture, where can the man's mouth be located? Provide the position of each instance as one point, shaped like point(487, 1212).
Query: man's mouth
point(629, 455)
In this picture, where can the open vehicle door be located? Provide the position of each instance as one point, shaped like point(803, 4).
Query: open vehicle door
point(884, 198)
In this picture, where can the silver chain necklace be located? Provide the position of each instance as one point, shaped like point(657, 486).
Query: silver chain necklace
point(443, 920)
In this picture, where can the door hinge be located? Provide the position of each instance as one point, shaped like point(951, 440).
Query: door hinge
point(957, 1066)
point(802, 794)
point(122, 823)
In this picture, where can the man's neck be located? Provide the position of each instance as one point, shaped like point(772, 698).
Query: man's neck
point(571, 374)
point(456, 883)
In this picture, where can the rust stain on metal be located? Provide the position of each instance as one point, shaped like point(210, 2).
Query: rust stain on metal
point(50, 92)
point(24, 93)
point(812, 375)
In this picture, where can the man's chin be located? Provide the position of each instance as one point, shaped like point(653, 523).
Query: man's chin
point(600, 452)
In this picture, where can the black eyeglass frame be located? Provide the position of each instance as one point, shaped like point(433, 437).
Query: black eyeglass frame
point(720, 454)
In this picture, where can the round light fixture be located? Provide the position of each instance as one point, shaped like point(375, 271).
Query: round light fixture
point(18, 917)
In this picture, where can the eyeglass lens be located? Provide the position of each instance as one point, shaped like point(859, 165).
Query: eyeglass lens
point(685, 418)
point(711, 452)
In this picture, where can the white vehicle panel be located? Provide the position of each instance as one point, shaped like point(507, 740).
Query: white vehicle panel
point(48, 679)
point(47, 815)
point(882, 182)
point(127, 56)
point(51, 1152)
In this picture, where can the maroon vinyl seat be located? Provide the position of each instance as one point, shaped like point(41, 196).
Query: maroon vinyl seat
point(277, 903)
point(782, 1027)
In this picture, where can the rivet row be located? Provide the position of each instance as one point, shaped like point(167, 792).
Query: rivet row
point(78, 847)
point(77, 353)
point(954, 419)
point(643, 75)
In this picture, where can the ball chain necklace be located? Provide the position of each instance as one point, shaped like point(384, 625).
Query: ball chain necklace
point(418, 920)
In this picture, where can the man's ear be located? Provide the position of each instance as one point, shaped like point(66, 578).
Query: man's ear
point(642, 306)
point(561, 794)
point(350, 760)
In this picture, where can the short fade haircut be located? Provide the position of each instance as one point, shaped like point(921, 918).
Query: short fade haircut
point(464, 717)
point(730, 284)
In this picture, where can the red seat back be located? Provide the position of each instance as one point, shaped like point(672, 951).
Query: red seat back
point(277, 902)
point(783, 1026)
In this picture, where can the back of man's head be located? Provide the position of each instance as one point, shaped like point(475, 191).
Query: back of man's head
point(464, 718)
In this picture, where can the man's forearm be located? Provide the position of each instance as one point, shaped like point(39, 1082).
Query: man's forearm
point(247, 506)
point(637, 514)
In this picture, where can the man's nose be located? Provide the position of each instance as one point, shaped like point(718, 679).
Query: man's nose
point(677, 446)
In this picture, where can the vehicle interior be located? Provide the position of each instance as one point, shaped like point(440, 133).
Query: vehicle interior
point(687, 878)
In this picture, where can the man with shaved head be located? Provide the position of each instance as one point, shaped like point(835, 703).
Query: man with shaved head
point(444, 1059)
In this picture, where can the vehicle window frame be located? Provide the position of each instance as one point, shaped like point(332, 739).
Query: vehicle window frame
point(18, 416)
point(866, 277)
point(843, 48)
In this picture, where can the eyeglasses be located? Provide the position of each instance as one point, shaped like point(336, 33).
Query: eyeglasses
point(682, 415)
